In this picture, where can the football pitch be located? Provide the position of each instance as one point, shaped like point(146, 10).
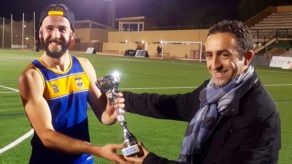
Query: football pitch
point(162, 137)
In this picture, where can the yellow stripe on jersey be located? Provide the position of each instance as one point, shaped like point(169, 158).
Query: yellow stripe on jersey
point(66, 85)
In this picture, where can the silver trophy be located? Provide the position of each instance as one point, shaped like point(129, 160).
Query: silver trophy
point(109, 84)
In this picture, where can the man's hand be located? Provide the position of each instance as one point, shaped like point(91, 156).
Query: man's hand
point(119, 101)
point(109, 152)
point(139, 160)
point(109, 115)
point(116, 107)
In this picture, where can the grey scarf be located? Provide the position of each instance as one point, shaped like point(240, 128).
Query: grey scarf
point(214, 102)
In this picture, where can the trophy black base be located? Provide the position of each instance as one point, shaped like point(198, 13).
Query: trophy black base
point(131, 151)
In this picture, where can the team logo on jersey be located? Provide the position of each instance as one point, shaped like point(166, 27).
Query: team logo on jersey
point(55, 88)
point(79, 81)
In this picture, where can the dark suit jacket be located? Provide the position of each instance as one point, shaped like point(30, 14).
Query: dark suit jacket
point(251, 136)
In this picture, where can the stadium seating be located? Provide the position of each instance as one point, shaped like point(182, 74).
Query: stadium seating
point(274, 27)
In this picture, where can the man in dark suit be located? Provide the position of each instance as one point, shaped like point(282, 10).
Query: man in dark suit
point(232, 119)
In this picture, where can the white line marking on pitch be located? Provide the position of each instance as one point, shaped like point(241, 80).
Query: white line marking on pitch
point(8, 92)
point(193, 87)
point(2, 86)
point(17, 141)
point(277, 85)
point(21, 138)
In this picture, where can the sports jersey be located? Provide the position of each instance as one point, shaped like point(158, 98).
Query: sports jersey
point(66, 93)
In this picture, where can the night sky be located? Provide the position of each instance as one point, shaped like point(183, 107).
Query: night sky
point(168, 12)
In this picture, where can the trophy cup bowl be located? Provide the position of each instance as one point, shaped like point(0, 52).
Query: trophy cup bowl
point(109, 84)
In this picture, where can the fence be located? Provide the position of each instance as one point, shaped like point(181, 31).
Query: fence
point(18, 33)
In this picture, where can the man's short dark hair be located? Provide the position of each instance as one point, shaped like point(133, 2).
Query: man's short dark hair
point(242, 33)
point(57, 10)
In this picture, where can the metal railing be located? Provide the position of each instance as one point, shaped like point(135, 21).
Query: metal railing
point(265, 37)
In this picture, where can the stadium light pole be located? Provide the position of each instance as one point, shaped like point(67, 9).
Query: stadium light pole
point(22, 31)
point(3, 21)
point(11, 31)
point(161, 43)
point(34, 46)
point(111, 12)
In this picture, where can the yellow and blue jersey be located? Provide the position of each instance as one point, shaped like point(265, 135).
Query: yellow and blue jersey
point(66, 93)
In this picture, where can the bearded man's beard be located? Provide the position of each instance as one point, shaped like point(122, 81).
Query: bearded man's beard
point(55, 51)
